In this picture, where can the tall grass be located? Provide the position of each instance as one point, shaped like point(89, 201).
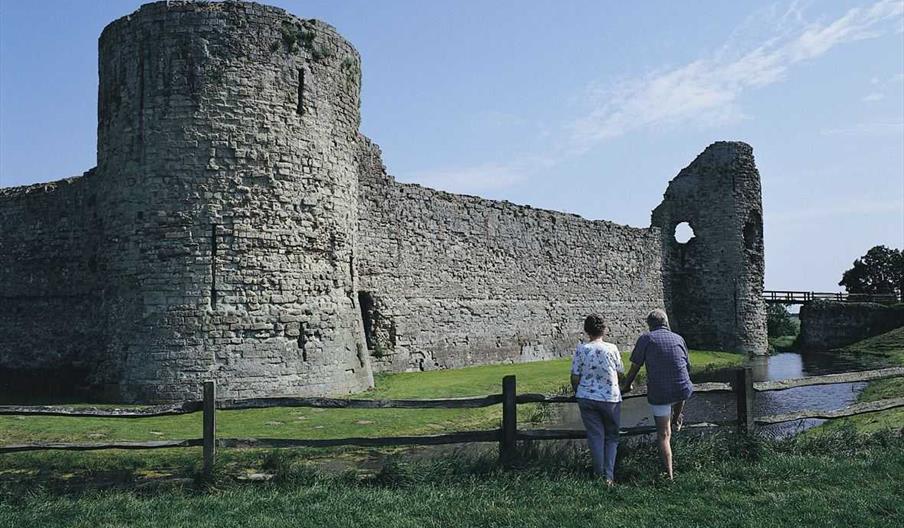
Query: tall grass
point(838, 479)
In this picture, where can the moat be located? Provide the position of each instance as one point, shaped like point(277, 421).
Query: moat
point(785, 365)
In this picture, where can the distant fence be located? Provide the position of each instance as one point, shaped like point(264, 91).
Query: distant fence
point(803, 297)
point(742, 386)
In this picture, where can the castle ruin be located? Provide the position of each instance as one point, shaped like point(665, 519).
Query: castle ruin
point(238, 227)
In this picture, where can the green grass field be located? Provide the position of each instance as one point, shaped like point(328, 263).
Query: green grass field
point(292, 422)
point(841, 476)
point(889, 346)
point(296, 422)
point(835, 480)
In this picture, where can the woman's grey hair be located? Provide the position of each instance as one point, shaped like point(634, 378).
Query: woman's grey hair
point(657, 319)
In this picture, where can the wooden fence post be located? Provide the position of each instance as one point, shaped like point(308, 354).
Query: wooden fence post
point(509, 421)
point(210, 428)
point(743, 389)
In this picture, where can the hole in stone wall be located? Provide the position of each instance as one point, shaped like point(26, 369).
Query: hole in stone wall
point(300, 108)
point(683, 233)
point(366, 303)
point(302, 341)
point(753, 231)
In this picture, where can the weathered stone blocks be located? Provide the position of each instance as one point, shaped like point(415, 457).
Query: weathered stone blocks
point(828, 324)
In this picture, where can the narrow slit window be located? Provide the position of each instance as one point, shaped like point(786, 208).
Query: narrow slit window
point(213, 266)
point(300, 108)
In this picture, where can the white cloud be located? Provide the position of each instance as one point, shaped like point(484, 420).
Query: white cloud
point(470, 180)
point(880, 87)
point(706, 91)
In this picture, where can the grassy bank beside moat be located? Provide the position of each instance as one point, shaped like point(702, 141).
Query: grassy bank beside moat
point(890, 348)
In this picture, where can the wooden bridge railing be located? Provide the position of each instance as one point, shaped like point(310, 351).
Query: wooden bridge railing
point(507, 435)
point(802, 297)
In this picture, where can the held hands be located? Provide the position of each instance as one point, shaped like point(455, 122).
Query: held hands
point(626, 388)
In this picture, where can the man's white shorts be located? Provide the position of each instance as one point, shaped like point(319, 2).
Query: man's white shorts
point(661, 410)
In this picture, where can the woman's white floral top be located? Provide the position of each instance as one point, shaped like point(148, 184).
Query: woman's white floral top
point(597, 363)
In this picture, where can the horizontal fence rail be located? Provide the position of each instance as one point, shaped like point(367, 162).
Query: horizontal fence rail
point(851, 410)
point(491, 435)
point(635, 393)
point(98, 446)
point(335, 403)
point(742, 386)
point(104, 412)
point(580, 434)
point(830, 379)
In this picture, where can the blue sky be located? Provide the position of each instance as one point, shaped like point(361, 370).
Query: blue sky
point(589, 107)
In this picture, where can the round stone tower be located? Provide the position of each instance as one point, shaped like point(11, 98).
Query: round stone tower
point(713, 282)
point(228, 203)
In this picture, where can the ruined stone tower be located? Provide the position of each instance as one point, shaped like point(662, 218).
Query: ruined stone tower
point(713, 283)
point(228, 200)
point(238, 227)
point(225, 192)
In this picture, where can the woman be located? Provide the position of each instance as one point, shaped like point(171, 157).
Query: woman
point(594, 378)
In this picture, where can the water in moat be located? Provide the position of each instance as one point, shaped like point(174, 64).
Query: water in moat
point(786, 365)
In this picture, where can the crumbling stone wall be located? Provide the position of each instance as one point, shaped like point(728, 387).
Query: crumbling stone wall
point(49, 329)
point(714, 282)
point(826, 325)
point(458, 280)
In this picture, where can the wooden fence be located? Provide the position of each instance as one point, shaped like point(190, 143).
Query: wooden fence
point(742, 386)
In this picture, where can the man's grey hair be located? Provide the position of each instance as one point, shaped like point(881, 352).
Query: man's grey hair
point(657, 319)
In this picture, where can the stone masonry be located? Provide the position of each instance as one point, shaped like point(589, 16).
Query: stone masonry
point(825, 325)
point(238, 227)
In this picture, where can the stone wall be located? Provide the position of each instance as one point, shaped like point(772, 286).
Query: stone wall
point(454, 280)
point(50, 336)
point(826, 325)
point(714, 282)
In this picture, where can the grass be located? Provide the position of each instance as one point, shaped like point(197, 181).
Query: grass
point(839, 479)
point(842, 476)
point(890, 347)
point(545, 377)
point(783, 343)
point(295, 422)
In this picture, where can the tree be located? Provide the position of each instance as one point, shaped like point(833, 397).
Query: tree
point(778, 321)
point(880, 271)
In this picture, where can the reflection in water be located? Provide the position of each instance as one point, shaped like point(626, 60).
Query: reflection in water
point(787, 365)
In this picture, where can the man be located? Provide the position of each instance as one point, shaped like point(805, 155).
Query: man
point(668, 382)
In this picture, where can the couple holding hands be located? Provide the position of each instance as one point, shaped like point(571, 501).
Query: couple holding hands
point(594, 378)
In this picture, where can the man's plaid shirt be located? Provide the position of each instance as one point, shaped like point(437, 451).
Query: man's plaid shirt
point(665, 355)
